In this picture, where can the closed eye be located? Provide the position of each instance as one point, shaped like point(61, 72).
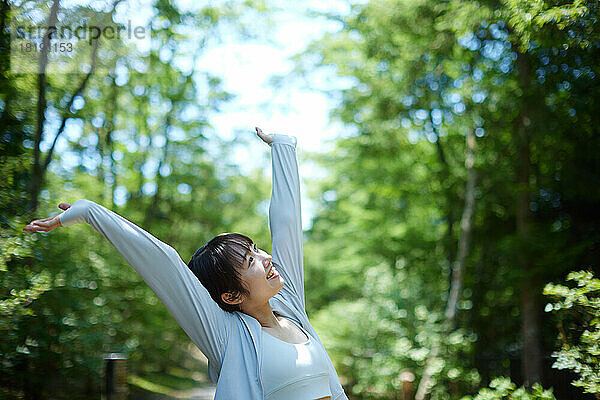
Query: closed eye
point(251, 259)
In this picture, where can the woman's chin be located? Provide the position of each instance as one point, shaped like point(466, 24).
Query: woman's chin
point(277, 283)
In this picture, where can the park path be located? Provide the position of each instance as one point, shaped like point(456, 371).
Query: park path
point(201, 393)
point(205, 389)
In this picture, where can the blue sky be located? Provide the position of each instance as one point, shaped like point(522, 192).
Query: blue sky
point(301, 109)
point(247, 65)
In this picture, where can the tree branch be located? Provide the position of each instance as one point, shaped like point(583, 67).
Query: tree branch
point(67, 114)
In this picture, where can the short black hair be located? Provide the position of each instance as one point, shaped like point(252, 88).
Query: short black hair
point(217, 266)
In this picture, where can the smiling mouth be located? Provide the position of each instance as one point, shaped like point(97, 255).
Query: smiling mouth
point(272, 273)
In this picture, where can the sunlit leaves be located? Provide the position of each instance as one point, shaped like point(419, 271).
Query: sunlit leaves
point(502, 388)
point(579, 311)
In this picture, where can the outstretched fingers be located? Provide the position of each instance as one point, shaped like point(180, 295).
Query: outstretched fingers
point(265, 138)
point(46, 224)
point(40, 225)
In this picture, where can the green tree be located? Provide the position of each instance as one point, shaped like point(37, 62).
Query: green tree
point(135, 141)
point(579, 328)
point(424, 74)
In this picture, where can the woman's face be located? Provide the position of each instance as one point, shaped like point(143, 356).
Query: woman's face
point(260, 277)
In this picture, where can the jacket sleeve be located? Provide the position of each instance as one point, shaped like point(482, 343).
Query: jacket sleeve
point(285, 219)
point(164, 271)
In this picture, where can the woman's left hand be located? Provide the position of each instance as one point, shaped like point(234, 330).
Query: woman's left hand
point(46, 224)
point(265, 138)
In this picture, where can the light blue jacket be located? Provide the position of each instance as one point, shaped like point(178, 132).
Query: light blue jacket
point(232, 342)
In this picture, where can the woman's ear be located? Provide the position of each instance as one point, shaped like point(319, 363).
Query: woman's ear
point(232, 298)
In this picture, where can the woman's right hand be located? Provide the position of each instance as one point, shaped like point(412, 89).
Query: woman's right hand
point(46, 224)
point(265, 137)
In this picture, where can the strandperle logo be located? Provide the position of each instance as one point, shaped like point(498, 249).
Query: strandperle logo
point(68, 48)
point(82, 32)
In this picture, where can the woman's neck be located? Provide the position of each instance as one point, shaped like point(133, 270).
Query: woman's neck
point(265, 316)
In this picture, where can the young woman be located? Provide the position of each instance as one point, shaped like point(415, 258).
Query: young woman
point(242, 307)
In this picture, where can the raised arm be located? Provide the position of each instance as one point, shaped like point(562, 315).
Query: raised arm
point(163, 270)
point(285, 219)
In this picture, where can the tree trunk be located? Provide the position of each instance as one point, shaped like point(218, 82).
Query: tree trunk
point(464, 243)
point(465, 234)
point(153, 212)
point(530, 321)
point(37, 170)
point(445, 177)
point(101, 174)
point(4, 40)
point(111, 119)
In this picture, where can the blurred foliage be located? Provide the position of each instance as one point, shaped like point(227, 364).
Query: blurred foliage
point(23, 286)
point(422, 73)
point(136, 140)
point(503, 388)
point(579, 327)
point(390, 330)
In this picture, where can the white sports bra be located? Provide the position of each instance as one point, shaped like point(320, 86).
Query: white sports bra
point(293, 371)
